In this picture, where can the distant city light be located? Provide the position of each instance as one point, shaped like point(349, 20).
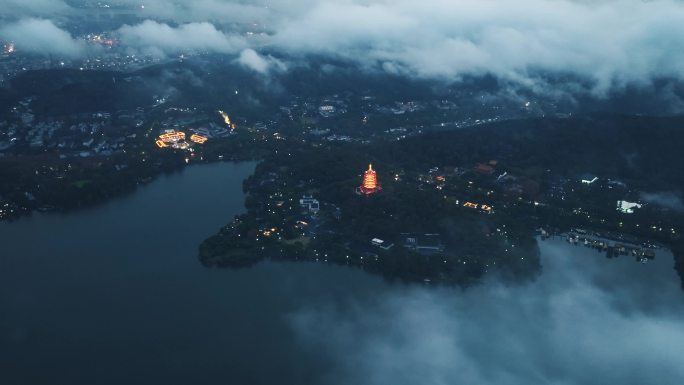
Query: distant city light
point(9, 48)
point(226, 119)
point(100, 39)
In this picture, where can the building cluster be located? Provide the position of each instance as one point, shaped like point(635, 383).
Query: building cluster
point(201, 131)
point(177, 140)
point(15, 62)
point(310, 204)
point(101, 39)
point(397, 108)
point(484, 208)
point(73, 135)
point(332, 106)
point(613, 248)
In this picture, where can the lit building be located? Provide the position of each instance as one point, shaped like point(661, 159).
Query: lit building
point(309, 203)
point(100, 40)
point(172, 136)
point(370, 182)
point(381, 244)
point(326, 111)
point(589, 179)
point(199, 139)
point(627, 207)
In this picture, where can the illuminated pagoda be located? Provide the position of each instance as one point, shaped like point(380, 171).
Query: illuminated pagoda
point(370, 182)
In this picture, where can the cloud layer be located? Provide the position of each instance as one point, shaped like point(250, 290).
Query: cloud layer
point(667, 200)
point(42, 36)
point(29, 8)
point(588, 320)
point(608, 43)
point(162, 39)
point(261, 64)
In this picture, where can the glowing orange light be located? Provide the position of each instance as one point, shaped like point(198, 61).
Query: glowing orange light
point(200, 139)
point(225, 117)
point(173, 136)
point(370, 181)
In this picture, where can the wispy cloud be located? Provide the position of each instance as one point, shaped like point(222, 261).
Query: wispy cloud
point(34, 8)
point(162, 39)
point(586, 321)
point(43, 37)
point(668, 200)
point(258, 63)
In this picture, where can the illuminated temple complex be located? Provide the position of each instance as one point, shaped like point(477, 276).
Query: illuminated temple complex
point(370, 182)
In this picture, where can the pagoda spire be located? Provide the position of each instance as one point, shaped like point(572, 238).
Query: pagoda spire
point(370, 183)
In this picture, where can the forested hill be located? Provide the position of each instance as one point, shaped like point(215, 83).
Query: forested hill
point(645, 151)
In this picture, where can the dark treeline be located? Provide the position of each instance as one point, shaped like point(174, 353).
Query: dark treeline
point(642, 150)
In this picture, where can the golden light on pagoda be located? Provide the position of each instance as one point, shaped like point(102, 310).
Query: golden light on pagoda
point(370, 182)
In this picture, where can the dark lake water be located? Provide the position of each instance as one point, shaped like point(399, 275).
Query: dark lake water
point(116, 295)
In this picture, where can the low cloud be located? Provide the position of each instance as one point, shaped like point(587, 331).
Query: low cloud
point(611, 43)
point(588, 320)
point(34, 8)
point(42, 36)
point(668, 200)
point(261, 64)
point(215, 11)
point(606, 44)
point(162, 39)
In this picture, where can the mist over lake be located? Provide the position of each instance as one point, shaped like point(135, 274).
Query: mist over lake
point(115, 294)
